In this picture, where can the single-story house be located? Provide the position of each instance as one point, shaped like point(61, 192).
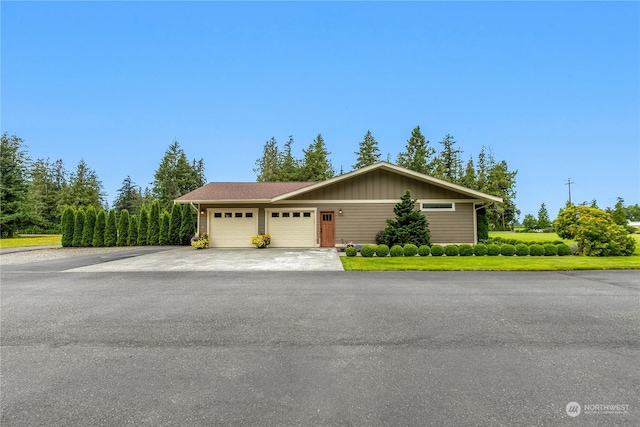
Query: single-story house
point(352, 207)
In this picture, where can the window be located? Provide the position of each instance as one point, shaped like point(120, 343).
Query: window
point(438, 206)
point(296, 214)
point(217, 215)
point(248, 215)
point(238, 214)
point(228, 215)
point(286, 214)
point(307, 214)
point(275, 214)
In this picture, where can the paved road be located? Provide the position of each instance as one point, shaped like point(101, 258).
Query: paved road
point(318, 348)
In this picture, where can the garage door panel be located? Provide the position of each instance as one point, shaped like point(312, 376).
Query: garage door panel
point(232, 228)
point(291, 228)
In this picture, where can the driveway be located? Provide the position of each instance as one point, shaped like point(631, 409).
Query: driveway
point(252, 259)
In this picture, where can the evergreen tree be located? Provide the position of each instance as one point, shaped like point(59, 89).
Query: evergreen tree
point(143, 226)
point(268, 167)
point(543, 217)
point(99, 230)
point(448, 165)
point(501, 182)
point(290, 166)
point(409, 226)
point(619, 214)
point(89, 227)
point(633, 212)
point(418, 155)
point(165, 219)
point(187, 225)
point(315, 164)
point(368, 153)
point(45, 182)
point(84, 189)
point(78, 228)
point(174, 225)
point(469, 177)
point(530, 222)
point(111, 229)
point(13, 184)
point(153, 237)
point(482, 222)
point(129, 197)
point(132, 235)
point(123, 228)
point(68, 222)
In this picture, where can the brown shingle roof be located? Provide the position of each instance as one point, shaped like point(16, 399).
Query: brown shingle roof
point(241, 191)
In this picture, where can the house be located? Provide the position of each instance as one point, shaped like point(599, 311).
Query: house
point(348, 208)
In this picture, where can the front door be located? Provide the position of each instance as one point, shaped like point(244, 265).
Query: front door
point(327, 230)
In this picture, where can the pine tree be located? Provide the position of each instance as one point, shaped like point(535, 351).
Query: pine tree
point(174, 225)
point(89, 227)
point(619, 213)
point(153, 231)
point(83, 190)
point(175, 176)
point(143, 226)
point(132, 235)
point(111, 229)
point(316, 165)
point(68, 222)
point(187, 225)
point(289, 165)
point(46, 179)
point(13, 184)
point(543, 217)
point(368, 153)
point(469, 177)
point(530, 222)
point(123, 228)
point(268, 166)
point(448, 165)
point(165, 218)
point(129, 197)
point(98, 232)
point(78, 228)
point(418, 155)
point(409, 225)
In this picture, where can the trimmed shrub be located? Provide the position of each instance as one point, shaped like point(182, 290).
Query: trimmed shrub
point(465, 250)
point(153, 231)
point(132, 236)
point(563, 249)
point(480, 249)
point(410, 249)
point(98, 231)
point(123, 228)
point(367, 251)
point(351, 251)
point(78, 227)
point(396, 250)
point(187, 225)
point(174, 225)
point(424, 250)
point(507, 250)
point(493, 249)
point(437, 250)
point(410, 225)
point(536, 250)
point(522, 249)
point(143, 226)
point(380, 237)
point(382, 250)
point(550, 249)
point(111, 229)
point(67, 223)
point(451, 250)
point(163, 237)
point(89, 226)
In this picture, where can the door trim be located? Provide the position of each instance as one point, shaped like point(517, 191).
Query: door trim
point(330, 243)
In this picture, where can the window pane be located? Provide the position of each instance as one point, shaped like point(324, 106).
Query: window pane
point(248, 215)
point(296, 214)
point(307, 214)
point(217, 215)
point(238, 214)
point(286, 214)
point(228, 215)
point(275, 214)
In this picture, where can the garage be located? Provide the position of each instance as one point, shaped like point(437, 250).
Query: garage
point(232, 228)
point(291, 228)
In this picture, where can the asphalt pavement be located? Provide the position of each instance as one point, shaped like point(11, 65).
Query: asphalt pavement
point(318, 348)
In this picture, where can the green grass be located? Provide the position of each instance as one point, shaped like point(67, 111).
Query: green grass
point(499, 263)
point(21, 242)
point(529, 237)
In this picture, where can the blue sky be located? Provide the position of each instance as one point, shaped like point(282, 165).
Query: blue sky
point(553, 88)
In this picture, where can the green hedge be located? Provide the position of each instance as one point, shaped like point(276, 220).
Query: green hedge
point(410, 249)
point(437, 250)
point(382, 250)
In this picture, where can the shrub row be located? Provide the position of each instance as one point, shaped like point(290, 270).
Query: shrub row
point(82, 228)
point(481, 249)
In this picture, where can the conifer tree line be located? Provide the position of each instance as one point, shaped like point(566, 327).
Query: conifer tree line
point(34, 194)
point(88, 228)
point(484, 173)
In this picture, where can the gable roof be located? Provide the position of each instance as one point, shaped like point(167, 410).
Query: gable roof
point(277, 191)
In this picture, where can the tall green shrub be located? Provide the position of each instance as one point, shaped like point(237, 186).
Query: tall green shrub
point(187, 225)
point(111, 229)
point(67, 223)
point(132, 236)
point(123, 228)
point(174, 225)
point(482, 224)
point(409, 225)
point(165, 218)
point(98, 231)
point(153, 237)
point(143, 225)
point(78, 227)
point(89, 226)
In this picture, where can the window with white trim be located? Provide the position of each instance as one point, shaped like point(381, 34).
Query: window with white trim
point(437, 206)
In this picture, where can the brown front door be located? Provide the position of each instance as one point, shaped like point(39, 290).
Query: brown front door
point(327, 230)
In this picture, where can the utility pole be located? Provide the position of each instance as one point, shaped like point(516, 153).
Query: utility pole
point(569, 182)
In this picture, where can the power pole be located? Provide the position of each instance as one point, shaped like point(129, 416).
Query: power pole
point(568, 183)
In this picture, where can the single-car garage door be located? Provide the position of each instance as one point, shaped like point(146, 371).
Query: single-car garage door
point(291, 228)
point(232, 228)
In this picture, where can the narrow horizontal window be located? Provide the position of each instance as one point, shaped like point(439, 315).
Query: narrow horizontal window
point(238, 214)
point(217, 215)
point(286, 214)
point(228, 215)
point(296, 214)
point(307, 214)
point(438, 206)
point(275, 214)
point(248, 215)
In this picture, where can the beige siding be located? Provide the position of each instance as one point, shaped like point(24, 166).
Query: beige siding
point(380, 185)
point(453, 227)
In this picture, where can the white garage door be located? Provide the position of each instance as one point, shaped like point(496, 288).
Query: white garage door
point(292, 228)
point(232, 228)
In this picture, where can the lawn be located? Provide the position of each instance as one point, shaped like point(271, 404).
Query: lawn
point(498, 263)
point(20, 242)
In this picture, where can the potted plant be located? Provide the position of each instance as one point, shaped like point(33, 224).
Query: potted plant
point(261, 240)
point(200, 241)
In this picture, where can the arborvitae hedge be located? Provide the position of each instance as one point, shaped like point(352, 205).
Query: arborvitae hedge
point(187, 225)
point(132, 236)
point(67, 223)
point(111, 229)
point(153, 231)
point(78, 226)
point(174, 225)
point(143, 224)
point(165, 218)
point(89, 226)
point(123, 228)
point(98, 232)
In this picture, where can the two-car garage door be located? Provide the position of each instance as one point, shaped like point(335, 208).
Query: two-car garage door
point(233, 228)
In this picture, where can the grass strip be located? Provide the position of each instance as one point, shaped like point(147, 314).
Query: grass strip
point(21, 242)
